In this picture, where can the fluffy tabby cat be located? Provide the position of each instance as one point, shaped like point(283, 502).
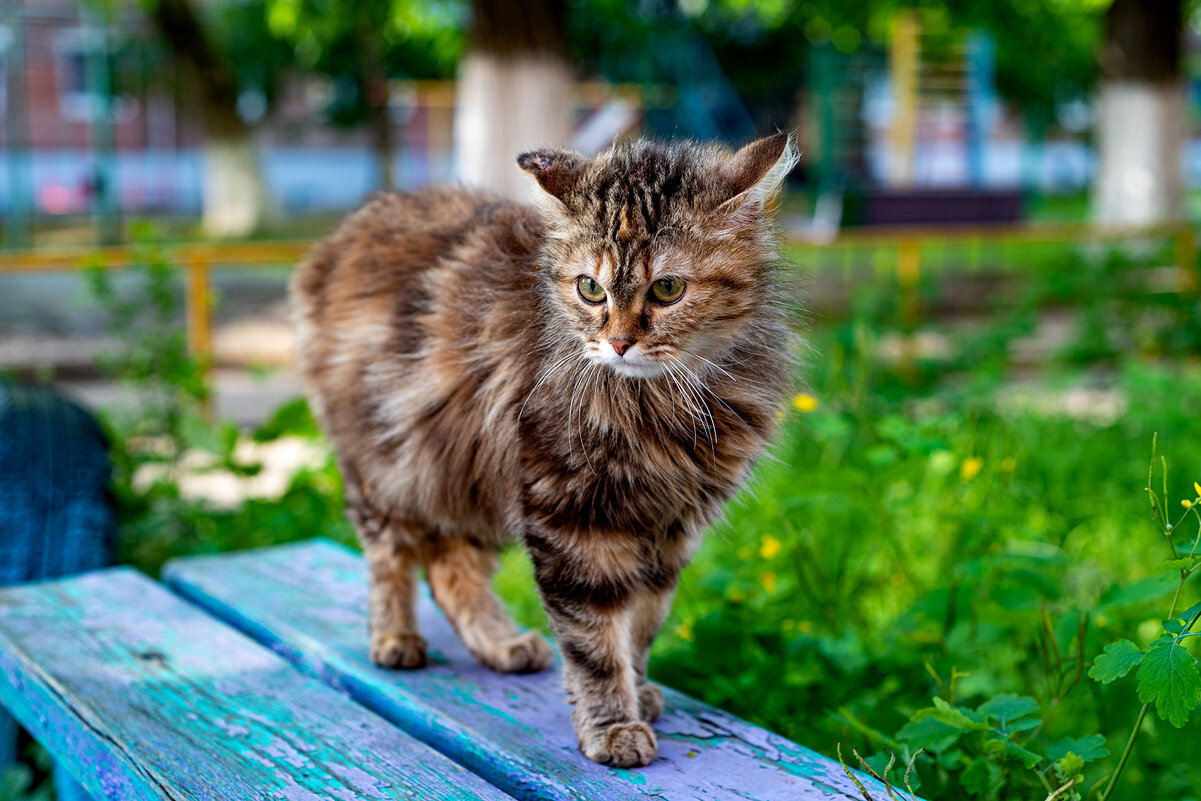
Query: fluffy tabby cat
point(595, 377)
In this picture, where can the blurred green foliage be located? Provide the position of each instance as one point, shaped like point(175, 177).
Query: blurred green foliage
point(28, 779)
point(941, 553)
point(167, 434)
point(762, 46)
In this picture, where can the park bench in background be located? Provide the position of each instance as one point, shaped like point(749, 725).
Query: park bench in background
point(144, 696)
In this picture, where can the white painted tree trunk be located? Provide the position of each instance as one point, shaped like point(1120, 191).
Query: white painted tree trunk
point(505, 106)
point(1140, 141)
point(236, 200)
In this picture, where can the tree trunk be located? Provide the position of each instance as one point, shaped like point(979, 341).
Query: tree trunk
point(1141, 114)
point(236, 200)
point(514, 93)
point(374, 86)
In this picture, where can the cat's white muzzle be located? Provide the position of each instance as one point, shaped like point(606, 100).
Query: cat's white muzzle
point(633, 364)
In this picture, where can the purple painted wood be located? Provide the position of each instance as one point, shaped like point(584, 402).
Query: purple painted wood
point(308, 602)
point(143, 696)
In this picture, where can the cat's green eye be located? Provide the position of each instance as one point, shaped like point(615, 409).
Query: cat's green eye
point(667, 290)
point(590, 290)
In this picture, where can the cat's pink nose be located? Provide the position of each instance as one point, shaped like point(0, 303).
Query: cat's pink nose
point(620, 345)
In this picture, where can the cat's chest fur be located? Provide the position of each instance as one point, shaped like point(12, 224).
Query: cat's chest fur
point(640, 456)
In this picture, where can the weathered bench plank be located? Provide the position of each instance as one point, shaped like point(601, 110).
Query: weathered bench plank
point(147, 697)
point(308, 602)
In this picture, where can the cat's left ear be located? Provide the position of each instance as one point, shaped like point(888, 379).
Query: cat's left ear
point(558, 172)
point(754, 176)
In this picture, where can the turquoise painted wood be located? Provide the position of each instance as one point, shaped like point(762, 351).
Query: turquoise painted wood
point(144, 696)
point(308, 602)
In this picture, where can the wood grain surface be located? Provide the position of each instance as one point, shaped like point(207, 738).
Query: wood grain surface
point(308, 602)
point(144, 696)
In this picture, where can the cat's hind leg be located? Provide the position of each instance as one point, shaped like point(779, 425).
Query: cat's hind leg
point(392, 560)
point(395, 641)
point(460, 575)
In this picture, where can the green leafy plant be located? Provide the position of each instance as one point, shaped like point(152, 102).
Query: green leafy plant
point(1000, 749)
point(1168, 675)
point(999, 744)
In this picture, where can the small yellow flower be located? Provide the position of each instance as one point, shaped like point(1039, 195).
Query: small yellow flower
point(768, 580)
point(970, 468)
point(770, 547)
point(1186, 503)
point(805, 403)
point(805, 627)
point(1009, 464)
point(781, 414)
point(684, 630)
point(1197, 487)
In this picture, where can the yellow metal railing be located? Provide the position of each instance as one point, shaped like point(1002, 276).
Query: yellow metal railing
point(909, 246)
point(197, 259)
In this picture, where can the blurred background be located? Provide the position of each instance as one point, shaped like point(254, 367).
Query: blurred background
point(992, 249)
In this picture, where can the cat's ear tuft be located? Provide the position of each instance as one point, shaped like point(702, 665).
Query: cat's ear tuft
point(558, 172)
point(753, 177)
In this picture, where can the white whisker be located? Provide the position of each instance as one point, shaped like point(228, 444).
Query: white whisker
point(716, 397)
point(671, 377)
point(697, 386)
point(585, 393)
point(571, 399)
point(545, 375)
point(698, 408)
point(712, 364)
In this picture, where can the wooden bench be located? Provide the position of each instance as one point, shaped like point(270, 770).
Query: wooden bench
point(145, 696)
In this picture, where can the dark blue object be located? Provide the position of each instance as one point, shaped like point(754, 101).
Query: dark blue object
point(56, 512)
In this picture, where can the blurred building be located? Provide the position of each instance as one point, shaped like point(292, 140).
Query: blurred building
point(92, 109)
point(65, 133)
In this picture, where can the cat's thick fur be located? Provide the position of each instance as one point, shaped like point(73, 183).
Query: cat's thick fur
point(474, 396)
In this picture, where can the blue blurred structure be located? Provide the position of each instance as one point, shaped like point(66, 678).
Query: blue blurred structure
point(56, 513)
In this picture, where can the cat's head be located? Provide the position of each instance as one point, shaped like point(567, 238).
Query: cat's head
point(661, 254)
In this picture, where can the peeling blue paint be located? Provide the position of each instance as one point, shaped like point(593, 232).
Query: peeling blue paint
point(309, 600)
point(142, 696)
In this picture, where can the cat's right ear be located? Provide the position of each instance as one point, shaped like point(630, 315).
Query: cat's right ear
point(558, 172)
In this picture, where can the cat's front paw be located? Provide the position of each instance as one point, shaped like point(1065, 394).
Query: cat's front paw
point(525, 653)
point(621, 745)
point(650, 702)
point(398, 651)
